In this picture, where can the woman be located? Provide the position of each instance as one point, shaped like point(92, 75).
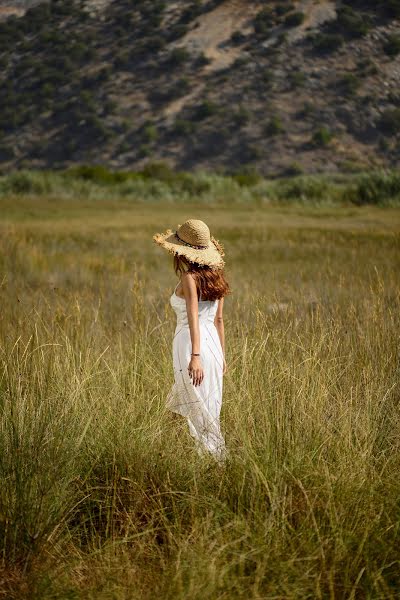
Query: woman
point(199, 342)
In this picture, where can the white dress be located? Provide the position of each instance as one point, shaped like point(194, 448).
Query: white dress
point(201, 405)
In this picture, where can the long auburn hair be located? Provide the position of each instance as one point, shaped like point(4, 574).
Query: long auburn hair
point(211, 283)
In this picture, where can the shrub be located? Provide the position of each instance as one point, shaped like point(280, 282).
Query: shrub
point(366, 67)
point(294, 19)
point(293, 170)
point(263, 21)
point(122, 59)
point(297, 79)
point(322, 137)
point(308, 110)
point(283, 9)
point(274, 126)
point(177, 31)
point(97, 174)
point(155, 43)
point(376, 188)
point(206, 109)
point(202, 60)
point(150, 133)
point(241, 116)
point(349, 84)
point(267, 76)
point(183, 127)
point(24, 182)
point(392, 45)
point(144, 150)
point(247, 177)
point(389, 122)
point(303, 188)
point(237, 38)
point(6, 152)
point(178, 56)
point(327, 42)
point(191, 12)
point(351, 23)
point(251, 152)
point(157, 170)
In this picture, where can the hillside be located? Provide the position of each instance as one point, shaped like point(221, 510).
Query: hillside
point(280, 87)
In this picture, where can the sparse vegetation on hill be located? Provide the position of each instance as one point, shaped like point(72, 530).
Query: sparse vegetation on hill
point(78, 86)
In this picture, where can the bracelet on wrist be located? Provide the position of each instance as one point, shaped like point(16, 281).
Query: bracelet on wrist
point(195, 354)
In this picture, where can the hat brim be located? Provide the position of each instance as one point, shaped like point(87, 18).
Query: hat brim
point(211, 255)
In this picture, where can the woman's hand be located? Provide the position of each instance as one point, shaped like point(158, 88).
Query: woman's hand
point(196, 370)
point(224, 366)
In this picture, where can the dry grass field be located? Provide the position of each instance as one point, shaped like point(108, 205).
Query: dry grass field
point(102, 494)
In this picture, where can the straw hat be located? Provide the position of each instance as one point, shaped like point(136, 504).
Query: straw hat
point(193, 241)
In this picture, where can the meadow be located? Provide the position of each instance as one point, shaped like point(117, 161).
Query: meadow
point(102, 494)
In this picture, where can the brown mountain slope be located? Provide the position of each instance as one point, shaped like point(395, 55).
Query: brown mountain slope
point(278, 86)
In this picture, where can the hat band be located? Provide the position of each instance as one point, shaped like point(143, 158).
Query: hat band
point(190, 245)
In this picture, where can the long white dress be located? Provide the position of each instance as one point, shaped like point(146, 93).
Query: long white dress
point(201, 405)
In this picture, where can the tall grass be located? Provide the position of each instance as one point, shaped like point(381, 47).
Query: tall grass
point(103, 494)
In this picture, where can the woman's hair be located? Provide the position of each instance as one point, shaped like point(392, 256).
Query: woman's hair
point(211, 283)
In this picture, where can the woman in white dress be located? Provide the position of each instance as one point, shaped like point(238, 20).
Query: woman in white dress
point(199, 342)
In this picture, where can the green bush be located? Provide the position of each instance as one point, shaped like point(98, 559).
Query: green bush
point(158, 170)
point(326, 43)
point(322, 137)
point(241, 116)
point(180, 182)
point(274, 126)
point(366, 67)
point(191, 12)
point(392, 45)
point(206, 109)
point(294, 19)
point(177, 31)
point(97, 174)
point(389, 122)
point(247, 177)
point(377, 188)
point(237, 38)
point(6, 152)
point(150, 133)
point(178, 56)
point(297, 79)
point(202, 60)
point(349, 84)
point(263, 21)
point(144, 150)
point(251, 152)
point(25, 182)
point(308, 110)
point(351, 23)
point(183, 127)
point(293, 170)
point(303, 188)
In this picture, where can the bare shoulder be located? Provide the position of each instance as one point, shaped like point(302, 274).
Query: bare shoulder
point(188, 284)
point(187, 278)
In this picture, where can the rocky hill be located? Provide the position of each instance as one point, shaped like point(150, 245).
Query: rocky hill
point(281, 87)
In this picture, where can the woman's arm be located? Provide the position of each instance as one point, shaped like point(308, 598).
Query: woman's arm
point(195, 367)
point(219, 324)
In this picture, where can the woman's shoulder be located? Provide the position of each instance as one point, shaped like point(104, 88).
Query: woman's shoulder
point(188, 277)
